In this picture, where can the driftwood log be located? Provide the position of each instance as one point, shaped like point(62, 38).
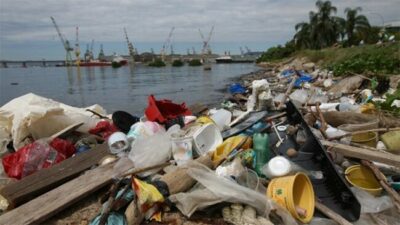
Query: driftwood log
point(362, 153)
point(336, 119)
point(179, 181)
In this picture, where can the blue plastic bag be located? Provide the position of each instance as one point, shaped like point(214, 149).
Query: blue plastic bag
point(237, 88)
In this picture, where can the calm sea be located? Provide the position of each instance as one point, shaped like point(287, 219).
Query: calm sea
point(124, 88)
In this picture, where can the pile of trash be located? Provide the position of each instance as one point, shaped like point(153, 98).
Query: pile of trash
point(288, 146)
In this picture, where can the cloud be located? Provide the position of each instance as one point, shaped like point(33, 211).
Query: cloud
point(267, 21)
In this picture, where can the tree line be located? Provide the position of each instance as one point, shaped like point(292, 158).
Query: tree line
point(325, 29)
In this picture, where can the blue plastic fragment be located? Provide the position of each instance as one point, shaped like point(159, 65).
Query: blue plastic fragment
point(237, 88)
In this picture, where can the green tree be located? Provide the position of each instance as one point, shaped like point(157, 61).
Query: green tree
point(323, 29)
point(355, 23)
point(302, 36)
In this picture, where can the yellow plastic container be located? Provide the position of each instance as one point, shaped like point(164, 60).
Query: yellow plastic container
point(368, 139)
point(227, 146)
point(293, 192)
point(363, 178)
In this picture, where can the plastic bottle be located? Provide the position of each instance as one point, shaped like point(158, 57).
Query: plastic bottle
point(261, 148)
point(348, 107)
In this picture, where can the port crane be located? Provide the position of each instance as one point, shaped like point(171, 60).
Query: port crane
point(247, 49)
point(206, 50)
point(241, 51)
point(77, 48)
point(167, 44)
point(91, 54)
point(131, 49)
point(65, 43)
point(101, 56)
point(206, 42)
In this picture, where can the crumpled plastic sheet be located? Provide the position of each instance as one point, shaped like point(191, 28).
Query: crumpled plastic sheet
point(230, 191)
point(40, 117)
point(389, 217)
point(370, 203)
point(191, 201)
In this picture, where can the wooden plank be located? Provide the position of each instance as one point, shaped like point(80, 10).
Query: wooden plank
point(361, 153)
point(66, 130)
point(44, 180)
point(47, 205)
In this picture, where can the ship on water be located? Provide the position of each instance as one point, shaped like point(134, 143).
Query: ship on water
point(102, 59)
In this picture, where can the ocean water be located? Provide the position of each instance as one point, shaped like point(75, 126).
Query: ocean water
point(125, 88)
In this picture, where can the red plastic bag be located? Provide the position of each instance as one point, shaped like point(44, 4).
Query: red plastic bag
point(104, 129)
point(162, 110)
point(35, 156)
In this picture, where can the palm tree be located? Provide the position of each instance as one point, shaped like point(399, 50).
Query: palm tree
point(340, 27)
point(355, 23)
point(302, 36)
point(321, 31)
point(325, 26)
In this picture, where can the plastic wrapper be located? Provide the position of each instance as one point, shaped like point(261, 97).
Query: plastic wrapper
point(230, 191)
point(149, 199)
point(371, 204)
point(299, 96)
point(144, 129)
point(36, 156)
point(199, 198)
point(150, 151)
point(389, 217)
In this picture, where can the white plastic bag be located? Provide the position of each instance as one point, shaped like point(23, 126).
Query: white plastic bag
point(150, 151)
point(370, 203)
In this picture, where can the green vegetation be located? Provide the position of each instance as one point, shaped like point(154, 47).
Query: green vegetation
point(329, 33)
point(157, 63)
point(386, 105)
point(195, 62)
point(177, 63)
point(276, 53)
point(324, 29)
point(368, 58)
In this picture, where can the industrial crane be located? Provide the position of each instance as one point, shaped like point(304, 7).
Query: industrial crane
point(87, 54)
point(167, 44)
point(65, 43)
point(101, 56)
point(131, 49)
point(77, 49)
point(206, 42)
point(91, 54)
point(206, 50)
point(247, 49)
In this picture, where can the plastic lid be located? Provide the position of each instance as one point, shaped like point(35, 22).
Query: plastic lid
point(279, 166)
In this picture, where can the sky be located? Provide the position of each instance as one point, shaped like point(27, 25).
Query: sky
point(26, 31)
